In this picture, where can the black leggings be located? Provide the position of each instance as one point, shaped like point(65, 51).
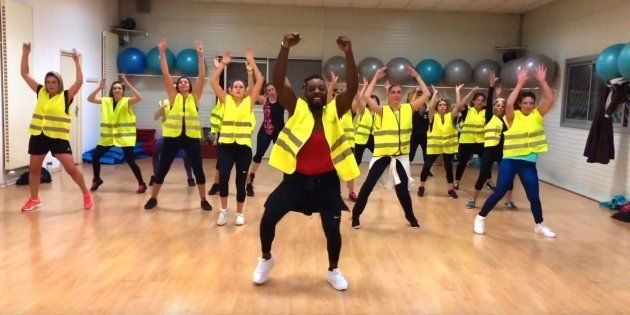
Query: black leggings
point(129, 158)
point(233, 154)
point(170, 147)
point(402, 190)
point(418, 140)
point(466, 151)
point(430, 159)
point(263, 140)
point(489, 157)
point(360, 148)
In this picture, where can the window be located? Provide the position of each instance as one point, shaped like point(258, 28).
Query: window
point(582, 97)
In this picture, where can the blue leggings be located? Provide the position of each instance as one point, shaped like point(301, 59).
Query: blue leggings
point(508, 169)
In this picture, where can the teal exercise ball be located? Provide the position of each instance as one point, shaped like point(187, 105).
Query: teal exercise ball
point(153, 60)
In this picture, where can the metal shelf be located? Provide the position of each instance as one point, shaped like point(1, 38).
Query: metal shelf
point(129, 32)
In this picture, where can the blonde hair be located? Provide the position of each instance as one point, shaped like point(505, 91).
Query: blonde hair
point(495, 102)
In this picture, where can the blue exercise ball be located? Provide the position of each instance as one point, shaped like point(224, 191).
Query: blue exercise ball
point(153, 60)
point(132, 61)
point(623, 62)
point(430, 70)
point(187, 62)
point(606, 66)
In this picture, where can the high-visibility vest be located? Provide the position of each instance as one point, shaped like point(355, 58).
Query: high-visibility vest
point(442, 136)
point(472, 128)
point(298, 130)
point(392, 134)
point(50, 116)
point(236, 124)
point(216, 117)
point(348, 127)
point(118, 127)
point(363, 124)
point(493, 131)
point(526, 135)
point(179, 112)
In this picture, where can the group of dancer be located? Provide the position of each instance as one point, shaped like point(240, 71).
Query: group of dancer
point(316, 148)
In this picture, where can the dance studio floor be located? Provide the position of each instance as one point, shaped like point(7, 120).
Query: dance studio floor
point(120, 258)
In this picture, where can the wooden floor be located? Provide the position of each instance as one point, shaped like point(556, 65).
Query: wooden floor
point(119, 258)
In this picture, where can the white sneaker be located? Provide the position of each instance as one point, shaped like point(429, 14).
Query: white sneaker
point(479, 227)
point(337, 280)
point(261, 273)
point(544, 230)
point(223, 216)
point(240, 219)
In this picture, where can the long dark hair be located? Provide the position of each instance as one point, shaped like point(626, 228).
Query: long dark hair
point(190, 88)
point(111, 88)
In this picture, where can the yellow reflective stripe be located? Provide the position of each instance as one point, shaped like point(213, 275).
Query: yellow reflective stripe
point(215, 126)
point(38, 116)
point(36, 127)
point(129, 124)
point(348, 129)
point(515, 136)
point(339, 158)
point(363, 134)
point(391, 145)
point(235, 135)
point(58, 129)
point(125, 134)
point(237, 123)
point(338, 143)
point(57, 118)
point(292, 137)
point(216, 116)
point(280, 143)
point(537, 133)
point(537, 143)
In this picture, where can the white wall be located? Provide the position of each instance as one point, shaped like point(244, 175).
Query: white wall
point(568, 29)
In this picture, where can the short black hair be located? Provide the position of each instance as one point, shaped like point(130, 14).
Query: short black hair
point(378, 101)
point(190, 87)
point(525, 94)
point(232, 81)
point(311, 77)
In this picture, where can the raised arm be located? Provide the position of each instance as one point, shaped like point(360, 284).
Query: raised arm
point(416, 103)
point(462, 103)
point(219, 66)
point(509, 106)
point(161, 111)
point(78, 81)
point(95, 97)
point(547, 102)
point(492, 79)
point(344, 99)
point(357, 103)
point(255, 92)
point(201, 76)
point(433, 103)
point(168, 80)
point(24, 70)
point(250, 78)
point(285, 94)
point(137, 97)
point(330, 94)
point(376, 108)
point(457, 108)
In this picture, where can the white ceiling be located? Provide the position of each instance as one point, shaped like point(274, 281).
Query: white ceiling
point(499, 6)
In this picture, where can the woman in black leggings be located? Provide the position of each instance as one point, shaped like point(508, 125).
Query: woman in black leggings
point(235, 142)
point(273, 122)
point(182, 129)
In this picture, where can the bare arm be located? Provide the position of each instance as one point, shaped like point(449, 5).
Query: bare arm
point(344, 99)
point(214, 81)
point(78, 82)
point(168, 80)
point(250, 78)
point(255, 92)
point(416, 103)
point(433, 104)
point(95, 96)
point(331, 87)
point(380, 73)
point(137, 97)
point(160, 112)
point(285, 93)
point(201, 76)
point(547, 102)
point(24, 70)
point(509, 107)
point(357, 104)
point(462, 103)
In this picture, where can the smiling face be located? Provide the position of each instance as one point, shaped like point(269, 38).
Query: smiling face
point(237, 89)
point(527, 105)
point(117, 91)
point(315, 92)
point(479, 101)
point(183, 85)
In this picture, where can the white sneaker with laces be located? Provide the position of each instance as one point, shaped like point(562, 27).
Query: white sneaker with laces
point(223, 216)
point(240, 219)
point(541, 228)
point(479, 227)
point(337, 280)
point(261, 273)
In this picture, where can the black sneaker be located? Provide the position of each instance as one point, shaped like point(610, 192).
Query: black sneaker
point(420, 191)
point(213, 190)
point(489, 186)
point(414, 224)
point(151, 203)
point(152, 180)
point(205, 205)
point(452, 193)
point(250, 190)
point(356, 224)
point(96, 183)
point(191, 182)
point(430, 174)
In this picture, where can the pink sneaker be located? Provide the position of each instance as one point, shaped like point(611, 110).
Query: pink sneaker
point(31, 204)
point(87, 201)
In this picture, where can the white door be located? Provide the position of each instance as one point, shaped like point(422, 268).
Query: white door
point(68, 74)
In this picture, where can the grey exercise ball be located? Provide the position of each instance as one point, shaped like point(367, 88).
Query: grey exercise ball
point(482, 70)
point(396, 70)
point(457, 71)
point(509, 73)
point(531, 61)
point(336, 64)
point(368, 67)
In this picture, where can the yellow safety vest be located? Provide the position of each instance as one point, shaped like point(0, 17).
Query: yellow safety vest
point(177, 114)
point(216, 117)
point(363, 124)
point(348, 127)
point(118, 127)
point(50, 116)
point(236, 124)
point(298, 130)
point(472, 129)
point(493, 131)
point(442, 137)
point(392, 134)
point(526, 135)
